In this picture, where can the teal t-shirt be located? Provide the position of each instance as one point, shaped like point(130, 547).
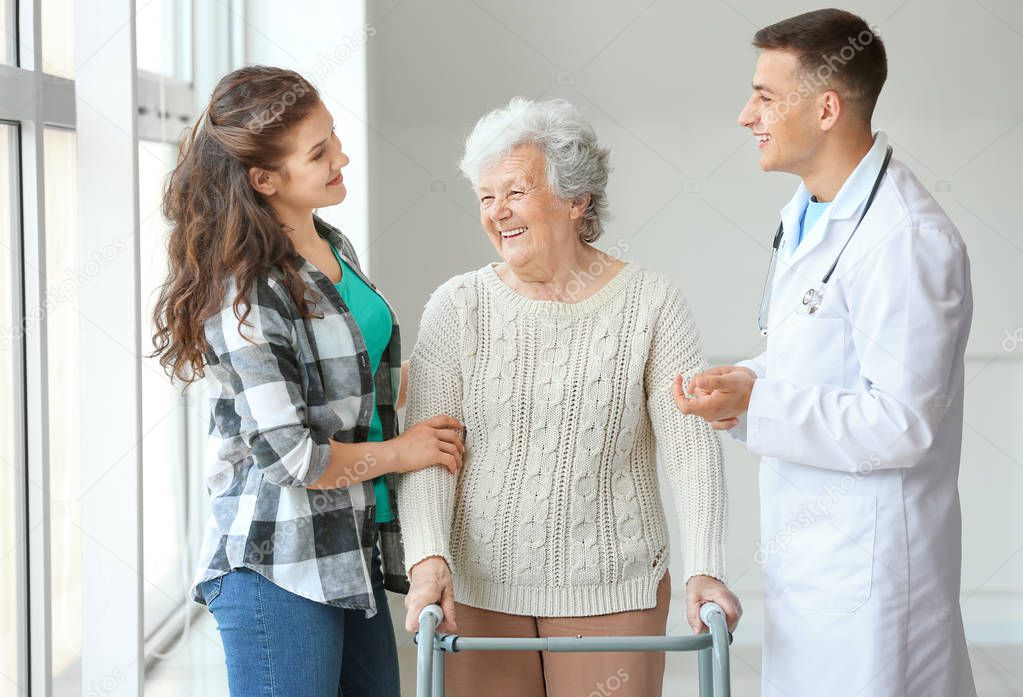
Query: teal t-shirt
point(374, 320)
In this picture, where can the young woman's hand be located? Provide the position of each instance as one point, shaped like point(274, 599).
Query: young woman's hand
point(437, 441)
point(403, 389)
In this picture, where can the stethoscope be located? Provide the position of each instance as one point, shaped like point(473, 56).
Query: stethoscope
point(814, 297)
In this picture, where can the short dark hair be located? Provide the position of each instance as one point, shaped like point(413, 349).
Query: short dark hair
point(836, 49)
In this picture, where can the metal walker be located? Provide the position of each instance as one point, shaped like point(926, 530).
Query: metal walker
point(711, 648)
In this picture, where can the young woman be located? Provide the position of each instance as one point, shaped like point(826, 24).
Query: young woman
point(303, 356)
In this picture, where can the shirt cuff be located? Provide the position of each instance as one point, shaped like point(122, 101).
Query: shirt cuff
point(738, 432)
point(760, 407)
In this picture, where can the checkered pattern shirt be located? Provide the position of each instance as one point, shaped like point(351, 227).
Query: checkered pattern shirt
point(277, 395)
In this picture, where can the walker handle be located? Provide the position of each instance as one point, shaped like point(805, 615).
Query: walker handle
point(430, 617)
point(714, 617)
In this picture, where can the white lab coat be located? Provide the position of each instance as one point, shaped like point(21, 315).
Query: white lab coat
point(857, 416)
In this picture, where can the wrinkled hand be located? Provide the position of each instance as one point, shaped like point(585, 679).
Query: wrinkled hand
point(707, 589)
point(430, 582)
point(719, 395)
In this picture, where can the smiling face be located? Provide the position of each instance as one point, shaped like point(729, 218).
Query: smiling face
point(525, 221)
point(310, 177)
point(782, 114)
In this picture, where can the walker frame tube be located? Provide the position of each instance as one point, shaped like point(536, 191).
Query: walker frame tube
point(711, 648)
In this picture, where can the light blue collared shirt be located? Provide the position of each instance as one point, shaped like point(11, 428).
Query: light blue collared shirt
point(813, 212)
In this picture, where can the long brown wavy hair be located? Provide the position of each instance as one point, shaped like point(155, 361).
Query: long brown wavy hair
point(221, 227)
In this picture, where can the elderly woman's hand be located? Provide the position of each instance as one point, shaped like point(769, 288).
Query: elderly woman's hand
point(707, 589)
point(430, 581)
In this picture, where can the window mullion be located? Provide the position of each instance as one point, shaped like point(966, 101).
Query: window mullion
point(110, 346)
point(32, 184)
point(37, 410)
point(15, 280)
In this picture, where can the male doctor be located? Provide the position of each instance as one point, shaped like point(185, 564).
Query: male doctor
point(856, 406)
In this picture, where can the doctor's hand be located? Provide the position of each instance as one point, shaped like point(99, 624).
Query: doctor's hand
point(707, 589)
point(430, 582)
point(719, 395)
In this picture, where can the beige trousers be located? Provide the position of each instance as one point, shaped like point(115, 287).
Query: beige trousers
point(543, 674)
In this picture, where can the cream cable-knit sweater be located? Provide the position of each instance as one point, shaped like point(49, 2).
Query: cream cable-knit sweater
point(556, 509)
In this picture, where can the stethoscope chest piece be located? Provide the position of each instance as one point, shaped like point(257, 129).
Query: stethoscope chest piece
point(812, 300)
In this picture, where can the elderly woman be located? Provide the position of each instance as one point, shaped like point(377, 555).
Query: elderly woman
point(560, 362)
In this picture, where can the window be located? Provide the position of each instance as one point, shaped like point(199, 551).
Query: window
point(168, 559)
point(163, 32)
point(11, 544)
point(8, 42)
point(58, 18)
point(39, 535)
point(175, 506)
point(52, 368)
point(65, 275)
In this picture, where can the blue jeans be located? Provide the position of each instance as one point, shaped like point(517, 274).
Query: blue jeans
point(278, 644)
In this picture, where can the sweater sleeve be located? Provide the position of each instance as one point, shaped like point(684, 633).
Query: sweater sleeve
point(426, 498)
point(687, 445)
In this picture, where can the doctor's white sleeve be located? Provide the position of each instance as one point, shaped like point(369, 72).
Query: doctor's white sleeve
point(758, 364)
point(911, 306)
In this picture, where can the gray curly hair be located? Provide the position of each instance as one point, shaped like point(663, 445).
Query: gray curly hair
point(576, 164)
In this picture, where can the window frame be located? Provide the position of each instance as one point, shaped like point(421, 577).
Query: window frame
point(166, 104)
point(19, 447)
point(11, 49)
point(32, 101)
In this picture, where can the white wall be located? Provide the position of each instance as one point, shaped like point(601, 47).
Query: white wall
point(662, 83)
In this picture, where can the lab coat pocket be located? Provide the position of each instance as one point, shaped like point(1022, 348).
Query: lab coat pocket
point(824, 549)
point(808, 350)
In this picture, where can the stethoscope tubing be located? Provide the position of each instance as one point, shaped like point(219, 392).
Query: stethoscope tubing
point(813, 298)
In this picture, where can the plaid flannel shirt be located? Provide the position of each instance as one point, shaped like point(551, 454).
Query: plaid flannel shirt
point(275, 401)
